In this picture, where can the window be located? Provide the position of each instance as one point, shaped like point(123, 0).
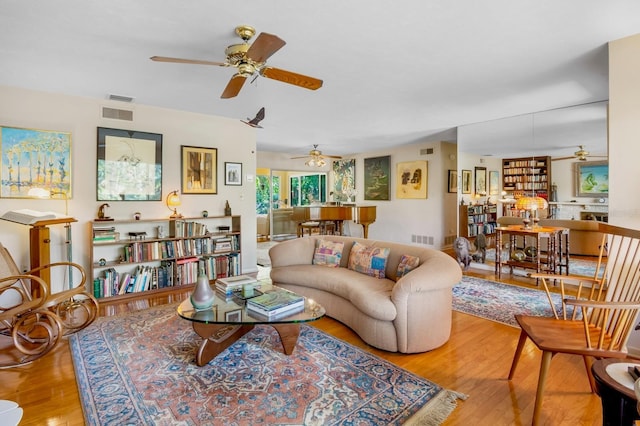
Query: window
point(308, 189)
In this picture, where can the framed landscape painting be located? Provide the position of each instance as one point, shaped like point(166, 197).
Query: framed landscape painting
point(376, 178)
point(412, 180)
point(129, 165)
point(34, 160)
point(592, 179)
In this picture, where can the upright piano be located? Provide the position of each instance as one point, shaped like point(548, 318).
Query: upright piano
point(363, 215)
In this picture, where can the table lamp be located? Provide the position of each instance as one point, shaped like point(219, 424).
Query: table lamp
point(173, 201)
point(532, 205)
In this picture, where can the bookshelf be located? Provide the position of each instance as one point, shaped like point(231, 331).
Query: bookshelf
point(159, 255)
point(481, 218)
point(527, 175)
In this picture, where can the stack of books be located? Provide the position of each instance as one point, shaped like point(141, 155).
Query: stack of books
point(228, 285)
point(106, 234)
point(276, 303)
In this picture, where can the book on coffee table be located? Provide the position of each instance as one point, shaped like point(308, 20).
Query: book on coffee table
point(276, 302)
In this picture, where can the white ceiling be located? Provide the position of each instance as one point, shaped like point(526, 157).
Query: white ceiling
point(394, 72)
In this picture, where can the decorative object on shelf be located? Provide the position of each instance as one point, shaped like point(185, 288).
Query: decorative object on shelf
point(233, 174)
point(25, 149)
point(518, 256)
point(554, 192)
point(101, 213)
point(173, 201)
point(227, 209)
point(203, 295)
point(205, 213)
point(129, 165)
point(531, 251)
point(199, 170)
point(412, 179)
point(102, 261)
point(159, 231)
point(137, 215)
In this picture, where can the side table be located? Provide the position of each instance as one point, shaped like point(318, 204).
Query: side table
point(615, 388)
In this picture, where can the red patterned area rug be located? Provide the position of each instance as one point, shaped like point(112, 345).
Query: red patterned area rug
point(139, 369)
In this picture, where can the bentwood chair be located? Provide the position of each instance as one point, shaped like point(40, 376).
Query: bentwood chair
point(597, 315)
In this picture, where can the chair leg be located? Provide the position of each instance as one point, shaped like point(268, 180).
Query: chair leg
point(544, 369)
point(516, 356)
point(588, 362)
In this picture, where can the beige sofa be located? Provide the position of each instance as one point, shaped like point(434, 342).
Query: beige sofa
point(584, 237)
point(410, 315)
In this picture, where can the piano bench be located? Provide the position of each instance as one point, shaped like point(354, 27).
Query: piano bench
point(328, 228)
point(310, 226)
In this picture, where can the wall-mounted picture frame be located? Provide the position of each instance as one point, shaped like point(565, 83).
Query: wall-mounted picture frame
point(592, 179)
point(377, 178)
point(452, 181)
point(34, 161)
point(494, 182)
point(412, 180)
point(344, 180)
point(129, 165)
point(466, 181)
point(233, 316)
point(480, 180)
point(233, 173)
point(199, 170)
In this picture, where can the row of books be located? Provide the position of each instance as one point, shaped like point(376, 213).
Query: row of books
point(155, 250)
point(276, 303)
point(214, 267)
point(182, 228)
point(481, 228)
point(113, 283)
point(481, 218)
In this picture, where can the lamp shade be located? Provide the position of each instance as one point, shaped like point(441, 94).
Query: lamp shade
point(531, 203)
point(173, 201)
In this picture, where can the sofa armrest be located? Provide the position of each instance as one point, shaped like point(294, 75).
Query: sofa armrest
point(293, 252)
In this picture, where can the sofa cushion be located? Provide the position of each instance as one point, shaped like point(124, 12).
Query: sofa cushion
point(328, 253)
point(407, 264)
point(371, 261)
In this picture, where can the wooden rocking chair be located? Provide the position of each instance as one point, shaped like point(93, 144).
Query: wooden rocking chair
point(598, 313)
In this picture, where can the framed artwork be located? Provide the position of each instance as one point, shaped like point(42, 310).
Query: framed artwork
point(480, 179)
point(34, 160)
point(233, 316)
point(199, 170)
point(494, 182)
point(466, 181)
point(453, 181)
point(592, 179)
point(376, 178)
point(233, 174)
point(344, 180)
point(129, 165)
point(411, 180)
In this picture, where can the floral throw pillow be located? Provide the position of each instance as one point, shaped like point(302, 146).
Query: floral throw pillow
point(368, 260)
point(328, 253)
point(406, 265)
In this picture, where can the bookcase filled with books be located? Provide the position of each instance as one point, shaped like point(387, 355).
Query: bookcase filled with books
point(158, 255)
point(478, 219)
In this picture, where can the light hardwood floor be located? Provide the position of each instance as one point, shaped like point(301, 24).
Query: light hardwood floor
point(475, 361)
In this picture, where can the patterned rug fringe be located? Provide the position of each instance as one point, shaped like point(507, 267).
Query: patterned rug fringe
point(436, 411)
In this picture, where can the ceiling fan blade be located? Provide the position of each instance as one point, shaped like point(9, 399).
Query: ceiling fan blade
point(302, 156)
point(187, 61)
point(233, 87)
point(264, 46)
point(331, 156)
point(291, 78)
point(573, 157)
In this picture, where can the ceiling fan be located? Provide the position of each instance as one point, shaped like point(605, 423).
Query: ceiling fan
point(581, 154)
point(316, 157)
point(251, 60)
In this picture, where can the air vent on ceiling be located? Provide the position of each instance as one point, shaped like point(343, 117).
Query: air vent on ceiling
point(120, 98)
point(426, 151)
point(117, 114)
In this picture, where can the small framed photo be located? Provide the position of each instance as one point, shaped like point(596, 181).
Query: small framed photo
point(481, 180)
point(233, 174)
point(453, 181)
point(233, 316)
point(199, 170)
point(466, 181)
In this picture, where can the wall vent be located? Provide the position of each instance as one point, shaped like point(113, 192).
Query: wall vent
point(120, 98)
point(426, 151)
point(117, 114)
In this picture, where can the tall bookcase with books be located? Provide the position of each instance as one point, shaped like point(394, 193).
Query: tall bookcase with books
point(478, 219)
point(158, 255)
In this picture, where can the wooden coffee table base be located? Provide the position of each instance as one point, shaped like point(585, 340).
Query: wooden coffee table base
point(218, 337)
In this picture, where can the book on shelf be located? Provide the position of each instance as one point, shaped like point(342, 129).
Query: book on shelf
point(275, 302)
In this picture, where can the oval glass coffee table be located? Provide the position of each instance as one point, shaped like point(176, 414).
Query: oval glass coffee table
point(229, 319)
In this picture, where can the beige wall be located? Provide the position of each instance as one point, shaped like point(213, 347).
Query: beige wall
point(81, 116)
point(624, 131)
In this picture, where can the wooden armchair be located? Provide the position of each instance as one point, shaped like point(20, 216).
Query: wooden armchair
point(27, 329)
point(598, 313)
